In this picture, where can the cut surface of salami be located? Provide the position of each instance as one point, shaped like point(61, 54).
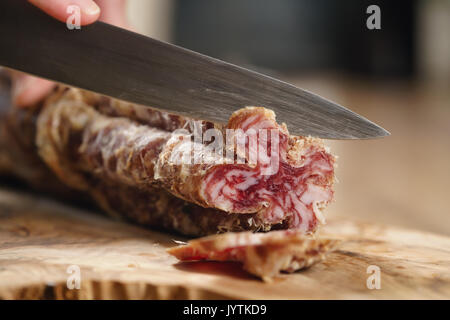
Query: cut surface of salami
point(262, 254)
point(286, 179)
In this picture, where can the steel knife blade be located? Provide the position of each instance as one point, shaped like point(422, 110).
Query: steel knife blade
point(132, 67)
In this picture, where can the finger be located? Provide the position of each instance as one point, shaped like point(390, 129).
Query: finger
point(90, 11)
point(28, 90)
point(114, 12)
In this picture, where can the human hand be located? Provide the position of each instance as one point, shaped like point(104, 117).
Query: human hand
point(27, 90)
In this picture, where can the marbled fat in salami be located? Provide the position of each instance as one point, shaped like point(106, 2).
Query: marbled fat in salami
point(294, 193)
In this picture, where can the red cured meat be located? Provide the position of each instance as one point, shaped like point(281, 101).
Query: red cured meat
point(294, 194)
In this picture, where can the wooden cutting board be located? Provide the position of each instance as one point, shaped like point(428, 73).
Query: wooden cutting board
point(41, 240)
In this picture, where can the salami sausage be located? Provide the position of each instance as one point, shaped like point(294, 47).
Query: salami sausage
point(146, 157)
point(124, 156)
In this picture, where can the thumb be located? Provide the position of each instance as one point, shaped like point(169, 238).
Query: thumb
point(89, 10)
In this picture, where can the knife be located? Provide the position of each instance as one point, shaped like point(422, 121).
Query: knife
point(129, 66)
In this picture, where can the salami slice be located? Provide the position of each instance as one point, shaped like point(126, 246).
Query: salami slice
point(262, 254)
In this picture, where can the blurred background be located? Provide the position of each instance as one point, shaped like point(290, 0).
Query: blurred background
point(398, 76)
